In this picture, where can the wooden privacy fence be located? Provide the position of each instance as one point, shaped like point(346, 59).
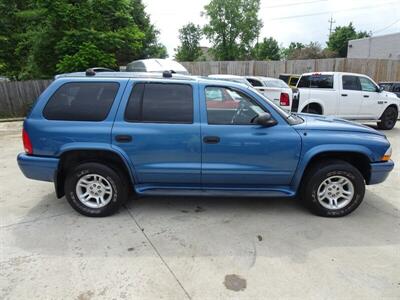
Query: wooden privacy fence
point(17, 97)
point(378, 69)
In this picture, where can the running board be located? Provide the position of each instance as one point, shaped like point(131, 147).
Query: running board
point(157, 191)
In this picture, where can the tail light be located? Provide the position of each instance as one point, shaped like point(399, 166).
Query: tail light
point(284, 100)
point(27, 142)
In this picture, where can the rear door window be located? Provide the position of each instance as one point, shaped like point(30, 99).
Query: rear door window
point(350, 82)
point(81, 101)
point(160, 103)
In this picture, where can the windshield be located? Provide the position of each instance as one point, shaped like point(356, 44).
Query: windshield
point(275, 83)
point(291, 118)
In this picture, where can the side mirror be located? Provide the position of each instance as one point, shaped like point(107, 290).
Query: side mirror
point(265, 120)
point(380, 89)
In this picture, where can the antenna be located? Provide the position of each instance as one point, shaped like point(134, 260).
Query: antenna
point(331, 21)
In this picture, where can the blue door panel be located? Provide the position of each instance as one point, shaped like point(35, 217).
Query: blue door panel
point(161, 153)
point(250, 155)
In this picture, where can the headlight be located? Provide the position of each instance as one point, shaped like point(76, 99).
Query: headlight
point(387, 155)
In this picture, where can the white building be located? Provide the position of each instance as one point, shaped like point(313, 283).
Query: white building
point(383, 46)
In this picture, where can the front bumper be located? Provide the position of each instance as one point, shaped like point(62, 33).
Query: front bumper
point(380, 171)
point(38, 167)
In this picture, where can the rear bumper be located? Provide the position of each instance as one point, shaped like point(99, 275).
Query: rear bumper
point(380, 171)
point(37, 167)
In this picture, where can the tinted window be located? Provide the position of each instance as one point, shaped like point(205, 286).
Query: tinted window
point(160, 103)
point(137, 66)
point(293, 81)
point(81, 101)
point(254, 82)
point(396, 88)
point(230, 107)
point(285, 78)
point(367, 85)
point(386, 86)
point(304, 82)
point(351, 83)
point(321, 81)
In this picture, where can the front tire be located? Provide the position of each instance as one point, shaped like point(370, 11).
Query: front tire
point(388, 119)
point(95, 190)
point(333, 189)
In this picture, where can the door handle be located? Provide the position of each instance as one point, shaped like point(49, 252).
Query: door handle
point(211, 139)
point(366, 96)
point(344, 95)
point(123, 138)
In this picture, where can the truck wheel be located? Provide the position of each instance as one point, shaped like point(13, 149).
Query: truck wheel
point(95, 190)
point(388, 118)
point(333, 189)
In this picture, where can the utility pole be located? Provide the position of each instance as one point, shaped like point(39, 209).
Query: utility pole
point(331, 21)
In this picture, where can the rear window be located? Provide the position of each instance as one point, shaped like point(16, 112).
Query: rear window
point(160, 103)
point(285, 78)
point(275, 83)
point(254, 82)
point(81, 101)
point(293, 81)
point(304, 82)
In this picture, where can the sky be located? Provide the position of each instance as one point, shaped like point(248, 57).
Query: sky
point(285, 20)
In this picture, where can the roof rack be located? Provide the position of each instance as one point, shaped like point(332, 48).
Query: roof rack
point(153, 75)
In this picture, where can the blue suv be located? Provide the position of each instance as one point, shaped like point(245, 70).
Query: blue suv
point(100, 137)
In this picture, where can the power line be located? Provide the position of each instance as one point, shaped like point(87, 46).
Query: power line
point(383, 29)
point(330, 12)
point(294, 3)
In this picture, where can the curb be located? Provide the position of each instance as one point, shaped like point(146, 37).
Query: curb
point(11, 120)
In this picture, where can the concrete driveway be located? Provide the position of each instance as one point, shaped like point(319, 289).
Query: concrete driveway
point(193, 248)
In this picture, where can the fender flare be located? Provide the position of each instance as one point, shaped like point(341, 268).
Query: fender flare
point(102, 147)
point(327, 148)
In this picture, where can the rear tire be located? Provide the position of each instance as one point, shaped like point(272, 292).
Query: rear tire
point(388, 118)
point(333, 189)
point(95, 190)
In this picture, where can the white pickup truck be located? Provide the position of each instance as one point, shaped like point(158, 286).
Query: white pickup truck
point(346, 95)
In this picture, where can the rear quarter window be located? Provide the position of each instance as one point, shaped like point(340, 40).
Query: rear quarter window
point(81, 101)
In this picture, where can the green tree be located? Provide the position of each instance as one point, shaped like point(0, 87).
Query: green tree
point(287, 53)
point(313, 50)
point(339, 39)
point(87, 55)
point(18, 18)
point(189, 36)
point(268, 49)
point(232, 28)
point(39, 38)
